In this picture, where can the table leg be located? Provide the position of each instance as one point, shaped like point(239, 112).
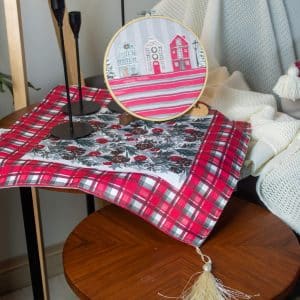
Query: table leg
point(40, 240)
point(32, 243)
point(90, 203)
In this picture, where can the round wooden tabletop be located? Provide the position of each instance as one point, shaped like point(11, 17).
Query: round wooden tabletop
point(113, 254)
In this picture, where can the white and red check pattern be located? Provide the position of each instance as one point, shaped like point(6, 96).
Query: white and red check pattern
point(187, 214)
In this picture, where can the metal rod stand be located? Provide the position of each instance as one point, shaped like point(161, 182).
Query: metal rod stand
point(90, 203)
point(32, 243)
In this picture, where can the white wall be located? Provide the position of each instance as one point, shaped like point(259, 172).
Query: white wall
point(100, 19)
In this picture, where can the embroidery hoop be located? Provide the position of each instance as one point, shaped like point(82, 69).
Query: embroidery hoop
point(198, 63)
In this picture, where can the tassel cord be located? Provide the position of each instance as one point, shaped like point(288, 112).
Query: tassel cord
point(183, 291)
point(207, 287)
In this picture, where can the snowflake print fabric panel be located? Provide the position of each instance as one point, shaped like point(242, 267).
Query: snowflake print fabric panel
point(166, 150)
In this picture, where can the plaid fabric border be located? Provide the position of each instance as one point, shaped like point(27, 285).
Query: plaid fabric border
point(188, 214)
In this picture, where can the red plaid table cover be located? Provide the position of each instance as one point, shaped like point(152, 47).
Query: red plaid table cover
point(187, 214)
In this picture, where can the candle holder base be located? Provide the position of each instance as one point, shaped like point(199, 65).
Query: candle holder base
point(89, 108)
point(64, 132)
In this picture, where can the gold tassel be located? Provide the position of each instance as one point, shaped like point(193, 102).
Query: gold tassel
point(207, 287)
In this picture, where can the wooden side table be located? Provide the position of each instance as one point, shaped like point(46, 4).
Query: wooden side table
point(113, 254)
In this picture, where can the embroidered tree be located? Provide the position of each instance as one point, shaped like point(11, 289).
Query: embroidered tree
point(199, 54)
point(109, 70)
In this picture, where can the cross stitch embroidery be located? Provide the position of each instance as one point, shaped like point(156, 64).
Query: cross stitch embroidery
point(156, 68)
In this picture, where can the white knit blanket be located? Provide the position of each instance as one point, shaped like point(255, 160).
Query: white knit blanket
point(279, 185)
point(232, 44)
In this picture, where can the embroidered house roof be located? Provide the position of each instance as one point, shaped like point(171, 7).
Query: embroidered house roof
point(179, 41)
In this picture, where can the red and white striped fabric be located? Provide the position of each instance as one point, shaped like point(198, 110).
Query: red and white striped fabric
point(188, 213)
point(159, 96)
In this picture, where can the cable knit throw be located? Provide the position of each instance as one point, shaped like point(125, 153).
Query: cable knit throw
point(249, 45)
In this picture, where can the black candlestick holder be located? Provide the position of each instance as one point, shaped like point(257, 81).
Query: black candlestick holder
point(81, 107)
point(68, 130)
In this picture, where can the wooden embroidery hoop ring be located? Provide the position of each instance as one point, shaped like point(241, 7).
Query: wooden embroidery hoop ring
point(195, 109)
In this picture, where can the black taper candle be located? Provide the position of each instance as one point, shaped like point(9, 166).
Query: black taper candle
point(75, 23)
point(58, 7)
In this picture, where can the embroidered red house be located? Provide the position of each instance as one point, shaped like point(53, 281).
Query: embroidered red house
point(180, 55)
